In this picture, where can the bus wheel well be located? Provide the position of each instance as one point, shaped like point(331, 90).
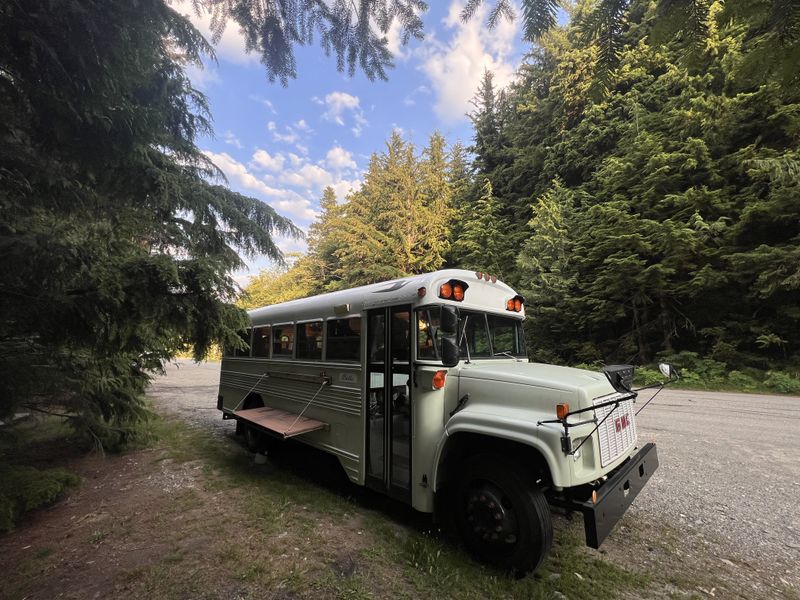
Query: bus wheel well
point(252, 400)
point(463, 445)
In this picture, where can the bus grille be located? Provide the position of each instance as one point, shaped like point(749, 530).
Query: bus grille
point(618, 433)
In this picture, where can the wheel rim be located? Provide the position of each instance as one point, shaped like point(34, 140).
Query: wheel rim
point(491, 518)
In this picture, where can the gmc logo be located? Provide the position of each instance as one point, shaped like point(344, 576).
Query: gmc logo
point(622, 423)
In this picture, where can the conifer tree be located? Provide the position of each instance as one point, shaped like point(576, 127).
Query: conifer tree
point(478, 246)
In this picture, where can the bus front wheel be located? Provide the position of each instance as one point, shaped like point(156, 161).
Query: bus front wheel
point(503, 517)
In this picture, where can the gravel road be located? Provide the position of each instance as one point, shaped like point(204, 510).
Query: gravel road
point(729, 463)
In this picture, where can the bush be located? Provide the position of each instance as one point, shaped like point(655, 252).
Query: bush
point(782, 382)
point(24, 488)
point(743, 382)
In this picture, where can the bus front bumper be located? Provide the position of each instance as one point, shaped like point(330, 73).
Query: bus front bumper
point(610, 501)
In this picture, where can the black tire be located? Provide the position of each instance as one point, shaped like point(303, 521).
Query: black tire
point(501, 514)
point(254, 439)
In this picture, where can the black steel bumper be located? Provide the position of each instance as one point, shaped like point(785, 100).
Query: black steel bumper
point(616, 495)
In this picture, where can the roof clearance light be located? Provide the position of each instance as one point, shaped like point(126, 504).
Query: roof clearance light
point(438, 379)
point(562, 410)
point(454, 289)
point(421, 292)
point(510, 304)
point(494, 278)
point(517, 304)
point(479, 274)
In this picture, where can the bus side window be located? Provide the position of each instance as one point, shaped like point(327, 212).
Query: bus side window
point(261, 339)
point(344, 339)
point(282, 340)
point(309, 340)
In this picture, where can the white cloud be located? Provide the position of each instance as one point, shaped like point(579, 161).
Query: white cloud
point(264, 102)
point(339, 158)
point(455, 68)
point(394, 39)
point(308, 176)
point(230, 138)
point(203, 77)
point(303, 126)
point(344, 187)
point(289, 137)
point(271, 126)
point(231, 46)
point(266, 161)
point(285, 201)
point(339, 105)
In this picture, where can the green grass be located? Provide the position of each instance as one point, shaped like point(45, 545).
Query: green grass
point(24, 488)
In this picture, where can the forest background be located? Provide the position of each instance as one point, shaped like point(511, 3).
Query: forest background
point(638, 183)
point(646, 211)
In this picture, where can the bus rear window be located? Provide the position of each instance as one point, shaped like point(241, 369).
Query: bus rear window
point(344, 339)
point(282, 340)
point(309, 340)
point(261, 341)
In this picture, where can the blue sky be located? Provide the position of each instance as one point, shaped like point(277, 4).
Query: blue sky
point(283, 145)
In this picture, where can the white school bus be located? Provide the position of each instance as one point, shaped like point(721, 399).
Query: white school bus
point(422, 389)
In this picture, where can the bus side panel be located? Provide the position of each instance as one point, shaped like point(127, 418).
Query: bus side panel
point(338, 404)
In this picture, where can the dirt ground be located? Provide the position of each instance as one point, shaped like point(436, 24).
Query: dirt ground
point(194, 517)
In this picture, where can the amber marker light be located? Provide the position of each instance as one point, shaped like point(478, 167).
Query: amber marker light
point(438, 379)
point(458, 293)
point(562, 410)
point(510, 304)
point(517, 305)
point(421, 292)
point(446, 291)
point(594, 496)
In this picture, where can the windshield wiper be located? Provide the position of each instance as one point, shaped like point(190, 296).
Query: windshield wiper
point(509, 355)
point(464, 338)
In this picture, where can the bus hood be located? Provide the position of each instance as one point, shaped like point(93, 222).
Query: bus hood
point(539, 375)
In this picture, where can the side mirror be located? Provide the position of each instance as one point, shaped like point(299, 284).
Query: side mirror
point(620, 377)
point(450, 353)
point(448, 320)
point(668, 371)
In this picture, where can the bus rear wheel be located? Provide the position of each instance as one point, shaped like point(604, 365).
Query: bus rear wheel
point(503, 517)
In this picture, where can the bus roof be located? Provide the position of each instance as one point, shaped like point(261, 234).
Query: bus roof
point(480, 295)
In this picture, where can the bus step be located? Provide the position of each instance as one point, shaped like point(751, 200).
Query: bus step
point(280, 422)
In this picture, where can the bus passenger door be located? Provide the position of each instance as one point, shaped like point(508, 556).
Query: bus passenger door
point(388, 419)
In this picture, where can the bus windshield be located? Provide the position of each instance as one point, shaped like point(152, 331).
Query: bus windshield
point(481, 335)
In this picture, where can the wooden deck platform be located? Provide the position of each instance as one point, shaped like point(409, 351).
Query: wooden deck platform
point(280, 422)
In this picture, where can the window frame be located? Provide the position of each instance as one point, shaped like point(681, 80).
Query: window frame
point(290, 324)
point(520, 335)
point(297, 326)
point(358, 359)
point(252, 340)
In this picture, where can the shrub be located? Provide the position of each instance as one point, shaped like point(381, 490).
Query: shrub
point(741, 381)
point(782, 382)
point(25, 488)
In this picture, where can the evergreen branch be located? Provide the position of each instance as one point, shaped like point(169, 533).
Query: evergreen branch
point(539, 17)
